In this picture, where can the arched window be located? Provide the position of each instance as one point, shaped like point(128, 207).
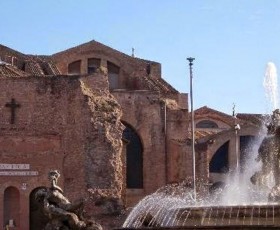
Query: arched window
point(74, 67)
point(134, 158)
point(93, 64)
point(207, 124)
point(113, 75)
point(219, 162)
point(11, 207)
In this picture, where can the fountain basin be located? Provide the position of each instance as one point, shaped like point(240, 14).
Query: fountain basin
point(207, 227)
point(263, 216)
point(239, 215)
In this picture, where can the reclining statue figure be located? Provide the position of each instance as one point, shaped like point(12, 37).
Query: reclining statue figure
point(62, 214)
point(269, 155)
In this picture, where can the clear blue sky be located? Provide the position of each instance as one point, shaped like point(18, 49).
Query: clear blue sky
point(231, 40)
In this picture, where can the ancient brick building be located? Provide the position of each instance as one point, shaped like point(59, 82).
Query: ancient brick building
point(110, 124)
point(220, 147)
point(107, 121)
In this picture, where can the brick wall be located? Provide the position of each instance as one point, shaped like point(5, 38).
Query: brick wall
point(63, 123)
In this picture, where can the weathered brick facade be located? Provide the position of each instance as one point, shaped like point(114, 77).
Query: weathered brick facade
point(100, 117)
point(74, 122)
point(211, 139)
point(155, 110)
point(60, 124)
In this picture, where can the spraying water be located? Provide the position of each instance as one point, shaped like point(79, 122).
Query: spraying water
point(238, 190)
point(271, 86)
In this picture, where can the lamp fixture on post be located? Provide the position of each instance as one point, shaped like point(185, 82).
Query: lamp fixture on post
point(237, 144)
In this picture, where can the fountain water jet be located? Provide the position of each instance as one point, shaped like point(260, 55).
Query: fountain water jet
point(174, 207)
point(270, 84)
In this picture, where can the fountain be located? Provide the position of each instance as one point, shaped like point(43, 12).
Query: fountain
point(178, 207)
point(60, 212)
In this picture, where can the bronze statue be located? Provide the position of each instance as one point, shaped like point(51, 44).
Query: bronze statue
point(62, 214)
point(269, 155)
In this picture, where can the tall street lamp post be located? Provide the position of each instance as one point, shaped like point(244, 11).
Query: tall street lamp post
point(190, 59)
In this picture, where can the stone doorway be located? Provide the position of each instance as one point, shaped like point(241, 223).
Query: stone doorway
point(38, 220)
point(11, 207)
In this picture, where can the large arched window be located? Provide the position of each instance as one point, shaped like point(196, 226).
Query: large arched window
point(134, 158)
point(219, 162)
point(11, 207)
point(74, 67)
point(207, 124)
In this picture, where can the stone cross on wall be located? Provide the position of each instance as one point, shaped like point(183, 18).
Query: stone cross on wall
point(13, 106)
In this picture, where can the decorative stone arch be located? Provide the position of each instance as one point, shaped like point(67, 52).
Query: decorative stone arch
point(219, 163)
point(11, 207)
point(217, 121)
point(220, 144)
point(219, 141)
point(37, 218)
point(229, 135)
point(206, 123)
point(134, 158)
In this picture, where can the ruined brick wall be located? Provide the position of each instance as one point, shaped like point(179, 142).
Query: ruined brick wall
point(140, 95)
point(65, 123)
point(104, 134)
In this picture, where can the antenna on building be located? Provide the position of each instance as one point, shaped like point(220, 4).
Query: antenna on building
point(233, 110)
point(132, 55)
